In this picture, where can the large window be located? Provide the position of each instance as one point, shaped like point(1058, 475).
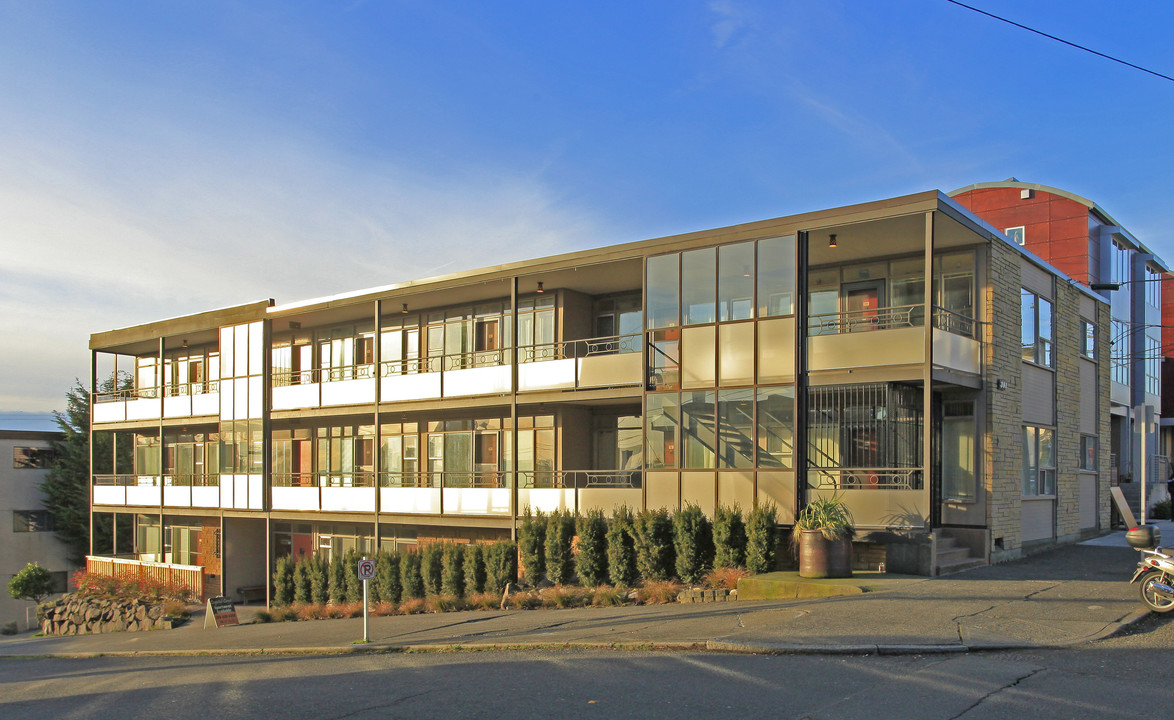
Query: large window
point(1039, 461)
point(1120, 354)
point(776, 276)
point(1153, 365)
point(1036, 328)
point(31, 521)
point(1153, 287)
point(958, 480)
point(1088, 452)
point(1120, 261)
point(1088, 340)
point(31, 458)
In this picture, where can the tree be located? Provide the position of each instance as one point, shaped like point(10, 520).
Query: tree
point(67, 487)
point(32, 583)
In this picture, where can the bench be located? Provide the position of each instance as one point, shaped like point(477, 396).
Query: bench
point(251, 593)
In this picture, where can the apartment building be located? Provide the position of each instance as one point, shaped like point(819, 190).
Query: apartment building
point(30, 537)
point(1082, 240)
point(901, 353)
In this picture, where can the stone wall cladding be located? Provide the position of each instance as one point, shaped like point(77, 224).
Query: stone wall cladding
point(1066, 328)
point(1104, 387)
point(1003, 444)
point(81, 615)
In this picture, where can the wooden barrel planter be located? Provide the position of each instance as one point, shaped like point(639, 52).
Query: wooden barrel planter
point(823, 558)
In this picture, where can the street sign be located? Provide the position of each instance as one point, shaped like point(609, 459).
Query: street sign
point(366, 569)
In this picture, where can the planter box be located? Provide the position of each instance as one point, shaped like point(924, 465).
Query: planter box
point(823, 558)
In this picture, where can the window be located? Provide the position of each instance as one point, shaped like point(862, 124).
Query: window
point(1153, 287)
point(663, 291)
point(1036, 335)
point(1088, 452)
point(776, 276)
point(32, 458)
point(1039, 461)
point(958, 481)
point(1153, 365)
point(1120, 353)
point(31, 521)
point(1016, 234)
point(1088, 340)
point(1120, 263)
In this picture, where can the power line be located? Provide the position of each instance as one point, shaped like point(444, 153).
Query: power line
point(1062, 40)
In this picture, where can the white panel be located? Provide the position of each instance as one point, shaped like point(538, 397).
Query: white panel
point(1037, 519)
point(226, 491)
point(206, 496)
point(1038, 395)
point(256, 396)
point(292, 397)
point(109, 495)
point(493, 380)
point(206, 404)
point(240, 391)
point(608, 499)
point(295, 498)
point(240, 492)
point(226, 352)
point(549, 375)
point(180, 406)
point(1036, 279)
point(899, 346)
point(606, 370)
point(420, 386)
point(1088, 500)
point(256, 499)
point(476, 501)
point(227, 403)
point(778, 487)
point(546, 500)
point(352, 499)
point(1088, 398)
point(349, 392)
point(142, 495)
point(698, 488)
point(110, 411)
point(736, 488)
point(142, 409)
point(776, 350)
point(956, 352)
point(698, 357)
point(410, 500)
point(256, 348)
point(177, 496)
point(662, 490)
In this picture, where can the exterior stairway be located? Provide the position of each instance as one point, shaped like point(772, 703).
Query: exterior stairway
point(951, 557)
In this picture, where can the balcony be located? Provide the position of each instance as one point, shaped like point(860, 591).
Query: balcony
point(321, 387)
point(579, 490)
point(333, 492)
point(174, 401)
point(877, 497)
point(242, 492)
point(580, 364)
point(446, 493)
point(892, 336)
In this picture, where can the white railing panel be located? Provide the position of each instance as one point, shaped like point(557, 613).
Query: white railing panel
point(410, 500)
point(476, 501)
point(226, 491)
point(143, 409)
point(295, 498)
point(882, 508)
point(898, 346)
point(610, 370)
point(608, 499)
point(206, 496)
point(143, 494)
point(546, 499)
point(206, 404)
point(548, 375)
point(418, 386)
point(177, 496)
point(293, 397)
point(256, 496)
point(352, 499)
point(110, 495)
point(110, 411)
point(493, 380)
point(349, 392)
point(177, 406)
point(956, 352)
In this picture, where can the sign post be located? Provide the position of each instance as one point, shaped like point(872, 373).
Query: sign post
point(366, 573)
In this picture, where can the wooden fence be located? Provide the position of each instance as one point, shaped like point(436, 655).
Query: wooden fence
point(190, 575)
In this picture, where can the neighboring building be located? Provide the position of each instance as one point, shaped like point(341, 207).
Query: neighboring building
point(1082, 240)
point(923, 389)
point(30, 535)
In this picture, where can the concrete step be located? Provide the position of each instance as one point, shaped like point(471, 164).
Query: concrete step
point(959, 565)
point(952, 555)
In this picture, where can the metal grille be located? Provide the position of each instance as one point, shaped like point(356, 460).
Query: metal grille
point(866, 427)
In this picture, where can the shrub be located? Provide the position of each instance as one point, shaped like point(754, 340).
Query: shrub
point(621, 548)
point(301, 582)
point(725, 578)
point(283, 581)
point(263, 616)
point(524, 600)
point(591, 560)
point(432, 567)
point(319, 580)
point(33, 582)
point(658, 592)
point(729, 537)
point(1160, 511)
point(484, 601)
point(560, 535)
point(384, 607)
point(337, 579)
point(94, 585)
point(354, 586)
point(176, 609)
point(566, 596)
point(411, 579)
point(284, 614)
point(692, 543)
point(444, 603)
point(501, 566)
point(532, 543)
point(653, 532)
point(608, 596)
point(387, 582)
point(762, 529)
point(474, 569)
point(310, 611)
point(412, 606)
point(452, 580)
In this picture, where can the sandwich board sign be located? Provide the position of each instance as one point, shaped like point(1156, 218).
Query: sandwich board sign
point(220, 612)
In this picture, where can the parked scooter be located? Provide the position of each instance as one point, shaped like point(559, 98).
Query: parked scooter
point(1155, 572)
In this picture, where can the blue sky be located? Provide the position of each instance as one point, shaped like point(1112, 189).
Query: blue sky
point(162, 158)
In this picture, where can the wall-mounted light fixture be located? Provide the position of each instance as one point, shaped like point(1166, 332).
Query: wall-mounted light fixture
point(832, 240)
point(405, 309)
point(185, 342)
point(295, 325)
point(540, 287)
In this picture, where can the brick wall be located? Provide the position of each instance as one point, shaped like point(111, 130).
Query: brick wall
point(1003, 442)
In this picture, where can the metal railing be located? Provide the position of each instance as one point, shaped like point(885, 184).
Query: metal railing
point(436, 479)
point(579, 479)
point(126, 480)
point(149, 393)
point(566, 349)
point(885, 318)
point(478, 358)
point(864, 478)
point(283, 377)
point(192, 480)
point(953, 322)
point(411, 366)
point(192, 388)
point(325, 479)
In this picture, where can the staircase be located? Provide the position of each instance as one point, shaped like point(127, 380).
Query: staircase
point(950, 556)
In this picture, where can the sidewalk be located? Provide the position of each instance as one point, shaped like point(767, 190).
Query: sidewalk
point(1066, 596)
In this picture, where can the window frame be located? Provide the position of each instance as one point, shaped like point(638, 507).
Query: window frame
point(1043, 484)
point(1041, 346)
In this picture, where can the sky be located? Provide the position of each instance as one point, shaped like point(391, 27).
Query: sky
point(166, 157)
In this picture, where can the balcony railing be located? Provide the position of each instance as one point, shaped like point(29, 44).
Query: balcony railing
point(954, 322)
point(480, 479)
point(325, 479)
point(575, 479)
point(865, 478)
point(125, 480)
point(284, 377)
point(885, 318)
point(565, 349)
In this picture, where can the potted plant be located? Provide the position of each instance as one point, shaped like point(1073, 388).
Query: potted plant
point(823, 533)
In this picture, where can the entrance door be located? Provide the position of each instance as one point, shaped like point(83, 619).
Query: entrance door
point(961, 501)
point(862, 303)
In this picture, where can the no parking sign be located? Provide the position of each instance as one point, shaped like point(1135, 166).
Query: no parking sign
point(366, 569)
